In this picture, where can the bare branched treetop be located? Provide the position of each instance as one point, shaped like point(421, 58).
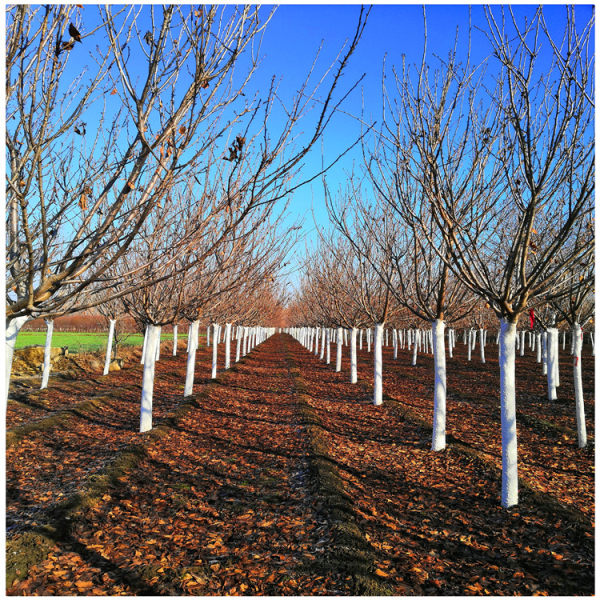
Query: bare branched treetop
point(110, 112)
point(506, 160)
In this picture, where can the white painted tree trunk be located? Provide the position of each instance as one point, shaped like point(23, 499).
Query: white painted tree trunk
point(378, 366)
point(550, 359)
point(174, 340)
point(153, 340)
point(508, 412)
point(450, 342)
point(208, 336)
point(545, 352)
point(328, 346)
point(323, 335)
point(47, 353)
point(469, 345)
point(245, 342)
point(438, 441)
point(109, 343)
point(556, 359)
point(12, 331)
point(369, 340)
point(538, 345)
point(191, 358)
point(227, 345)
point(564, 339)
point(522, 346)
point(215, 346)
point(482, 345)
point(317, 336)
point(414, 348)
point(533, 339)
point(360, 339)
point(158, 345)
point(395, 342)
point(593, 345)
point(338, 358)
point(238, 345)
point(144, 345)
point(579, 406)
point(353, 359)
point(386, 337)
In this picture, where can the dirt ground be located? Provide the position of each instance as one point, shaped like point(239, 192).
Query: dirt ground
point(281, 478)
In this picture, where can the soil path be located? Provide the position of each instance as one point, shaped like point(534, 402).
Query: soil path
point(259, 481)
point(222, 504)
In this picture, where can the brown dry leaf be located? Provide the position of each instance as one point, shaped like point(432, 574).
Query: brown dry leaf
point(84, 585)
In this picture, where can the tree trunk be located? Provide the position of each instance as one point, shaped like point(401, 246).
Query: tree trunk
point(47, 353)
point(208, 336)
point(238, 345)
point(522, 346)
point(579, 406)
point(414, 348)
point(109, 343)
point(317, 335)
point(338, 359)
point(12, 331)
point(482, 345)
point(153, 340)
point(439, 391)
point(550, 359)
point(144, 345)
point(214, 351)
point(469, 345)
point(227, 345)
point(378, 366)
point(538, 345)
point(508, 413)
point(323, 335)
point(328, 346)
point(545, 352)
point(353, 360)
point(174, 340)
point(191, 358)
point(557, 359)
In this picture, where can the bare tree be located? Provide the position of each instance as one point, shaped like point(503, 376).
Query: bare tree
point(78, 195)
point(510, 179)
point(419, 280)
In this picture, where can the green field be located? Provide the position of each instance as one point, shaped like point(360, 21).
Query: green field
point(82, 342)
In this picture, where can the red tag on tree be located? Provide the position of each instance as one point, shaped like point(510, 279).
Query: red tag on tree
point(531, 318)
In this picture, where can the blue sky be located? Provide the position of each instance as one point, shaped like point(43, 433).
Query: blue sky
point(393, 31)
point(293, 37)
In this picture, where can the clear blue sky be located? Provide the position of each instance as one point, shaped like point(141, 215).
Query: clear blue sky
point(393, 31)
point(296, 31)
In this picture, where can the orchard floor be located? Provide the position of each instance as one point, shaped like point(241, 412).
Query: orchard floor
point(281, 478)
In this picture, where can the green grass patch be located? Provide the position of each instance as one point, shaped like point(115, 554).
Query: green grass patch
point(83, 341)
